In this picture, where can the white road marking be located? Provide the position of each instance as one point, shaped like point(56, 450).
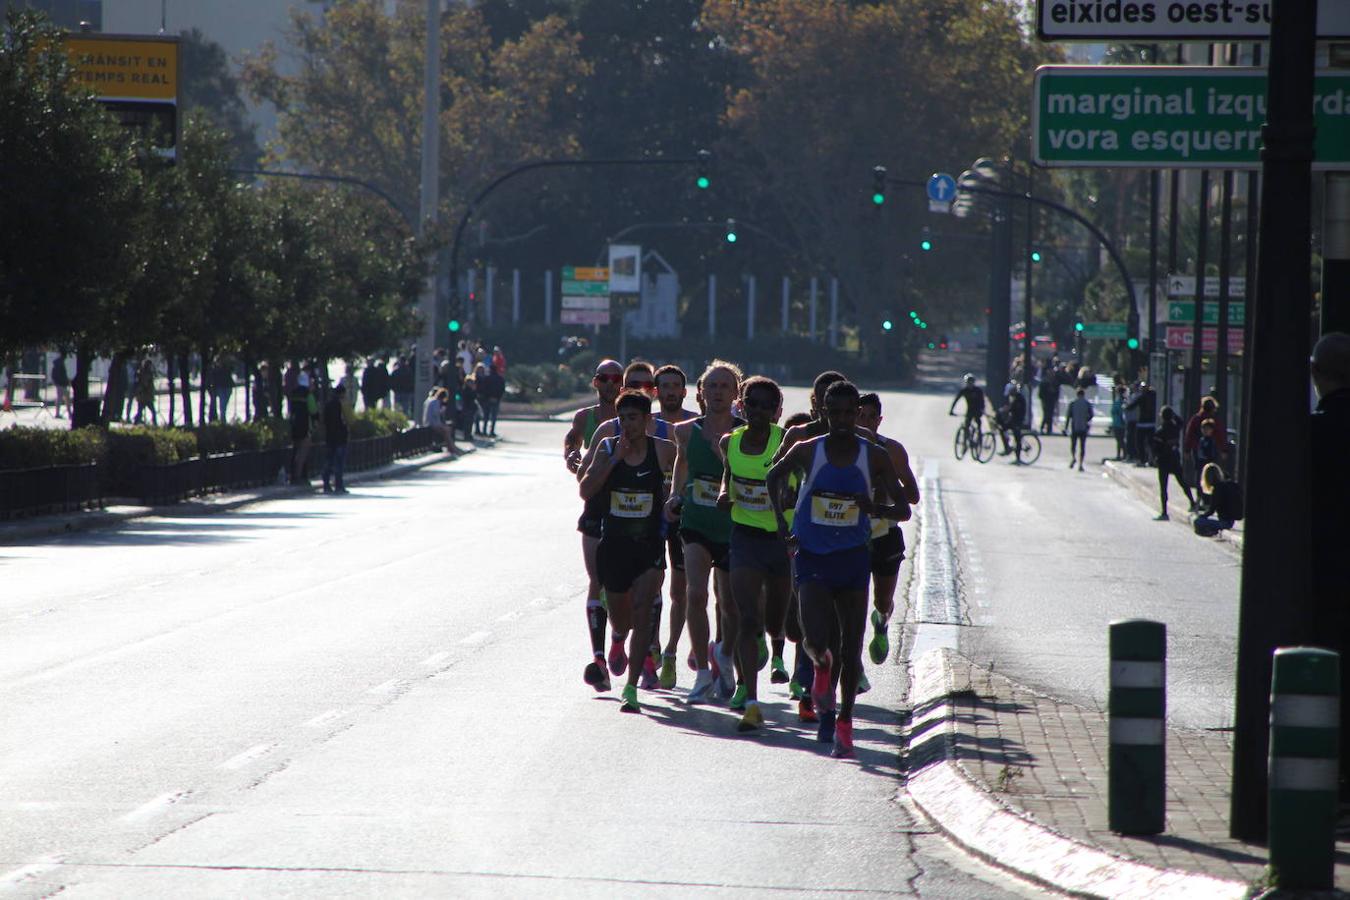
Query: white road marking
point(154, 807)
point(477, 637)
point(32, 870)
point(327, 718)
point(510, 617)
point(248, 756)
point(385, 687)
point(436, 659)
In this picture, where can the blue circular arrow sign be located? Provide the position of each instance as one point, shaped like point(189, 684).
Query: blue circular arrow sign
point(941, 187)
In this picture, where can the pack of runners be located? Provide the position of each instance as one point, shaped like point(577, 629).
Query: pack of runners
point(785, 526)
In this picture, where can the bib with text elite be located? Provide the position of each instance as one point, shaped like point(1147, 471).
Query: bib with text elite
point(834, 510)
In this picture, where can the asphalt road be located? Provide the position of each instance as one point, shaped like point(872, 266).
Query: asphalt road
point(380, 694)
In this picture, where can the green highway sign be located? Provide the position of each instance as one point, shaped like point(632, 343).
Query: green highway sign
point(576, 288)
point(1172, 117)
point(1104, 331)
point(1183, 311)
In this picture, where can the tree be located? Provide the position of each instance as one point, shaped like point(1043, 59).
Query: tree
point(210, 87)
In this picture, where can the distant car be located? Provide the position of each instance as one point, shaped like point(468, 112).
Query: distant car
point(1045, 341)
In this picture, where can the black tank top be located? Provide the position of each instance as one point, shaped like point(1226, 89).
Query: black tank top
point(635, 495)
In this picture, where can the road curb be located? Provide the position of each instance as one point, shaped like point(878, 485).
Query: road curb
point(75, 523)
point(970, 815)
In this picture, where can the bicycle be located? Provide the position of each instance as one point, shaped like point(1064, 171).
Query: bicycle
point(1031, 442)
point(971, 438)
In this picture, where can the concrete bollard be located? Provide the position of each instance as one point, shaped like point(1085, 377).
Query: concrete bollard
point(1304, 766)
point(1136, 707)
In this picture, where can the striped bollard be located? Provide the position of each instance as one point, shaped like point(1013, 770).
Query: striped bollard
point(1304, 766)
point(1136, 706)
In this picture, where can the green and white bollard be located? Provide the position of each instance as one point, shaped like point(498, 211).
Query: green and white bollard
point(1304, 766)
point(1136, 707)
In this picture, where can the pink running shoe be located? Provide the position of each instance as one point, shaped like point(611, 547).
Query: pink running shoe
point(649, 680)
point(843, 739)
point(618, 659)
point(822, 694)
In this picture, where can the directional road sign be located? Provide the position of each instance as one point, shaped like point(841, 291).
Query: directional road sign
point(1183, 312)
point(585, 273)
point(1184, 286)
point(1173, 117)
point(1105, 331)
point(585, 287)
point(1142, 21)
point(941, 192)
point(585, 317)
point(1181, 337)
point(582, 302)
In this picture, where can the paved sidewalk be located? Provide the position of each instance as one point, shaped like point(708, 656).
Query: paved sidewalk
point(37, 527)
point(1142, 481)
point(1020, 779)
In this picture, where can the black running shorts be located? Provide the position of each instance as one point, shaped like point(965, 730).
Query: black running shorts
point(622, 561)
point(719, 552)
point(887, 552)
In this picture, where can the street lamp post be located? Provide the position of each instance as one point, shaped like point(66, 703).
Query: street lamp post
point(430, 198)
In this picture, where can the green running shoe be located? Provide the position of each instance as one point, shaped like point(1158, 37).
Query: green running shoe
point(863, 684)
point(779, 673)
point(795, 690)
point(880, 645)
point(630, 700)
point(667, 676)
point(763, 653)
point(738, 698)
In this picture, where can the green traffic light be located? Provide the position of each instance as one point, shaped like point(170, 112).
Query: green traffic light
point(1035, 256)
point(932, 346)
point(454, 325)
point(731, 237)
point(1132, 343)
point(886, 325)
point(878, 198)
point(913, 314)
point(925, 246)
point(703, 182)
point(1078, 326)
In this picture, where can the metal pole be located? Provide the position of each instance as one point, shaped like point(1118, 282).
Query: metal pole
point(1026, 298)
point(430, 198)
point(1000, 299)
point(1154, 190)
point(515, 296)
point(1253, 214)
point(1275, 609)
point(548, 297)
point(834, 312)
point(787, 292)
point(1196, 374)
point(1225, 273)
point(490, 294)
point(750, 310)
point(712, 305)
point(814, 286)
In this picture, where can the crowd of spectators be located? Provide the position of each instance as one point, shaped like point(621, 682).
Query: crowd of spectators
point(466, 391)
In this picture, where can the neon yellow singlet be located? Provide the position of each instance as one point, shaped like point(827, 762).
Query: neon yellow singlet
point(749, 493)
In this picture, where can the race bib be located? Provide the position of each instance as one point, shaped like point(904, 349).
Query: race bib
point(706, 491)
point(750, 495)
point(834, 510)
point(630, 504)
point(666, 479)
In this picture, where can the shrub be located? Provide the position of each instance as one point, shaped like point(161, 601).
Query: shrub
point(219, 437)
point(543, 382)
point(372, 423)
point(131, 448)
point(31, 448)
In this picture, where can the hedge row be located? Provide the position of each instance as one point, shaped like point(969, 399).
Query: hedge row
point(124, 450)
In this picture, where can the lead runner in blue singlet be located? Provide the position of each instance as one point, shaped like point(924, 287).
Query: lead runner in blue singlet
point(830, 534)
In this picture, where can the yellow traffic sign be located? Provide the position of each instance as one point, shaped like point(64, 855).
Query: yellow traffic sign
point(117, 67)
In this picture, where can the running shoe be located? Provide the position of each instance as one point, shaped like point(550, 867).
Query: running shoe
point(795, 690)
point(693, 661)
point(825, 730)
point(805, 711)
point(725, 670)
point(702, 691)
point(752, 719)
point(863, 684)
point(763, 653)
point(595, 674)
point(667, 676)
point(822, 692)
point(713, 662)
point(880, 646)
point(738, 698)
point(778, 671)
point(630, 700)
point(649, 679)
point(618, 659)
point(843, 740)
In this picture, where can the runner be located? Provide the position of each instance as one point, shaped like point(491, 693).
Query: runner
point(704, 529)
point(608, 376)
point(671, 389)
point(761, 574)
point(830, 532)
point(888, 541)
point(627, 471)
point(801, 662)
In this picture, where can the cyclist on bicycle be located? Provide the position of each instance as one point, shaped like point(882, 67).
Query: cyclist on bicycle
point(974, 397)
point(1012, 416)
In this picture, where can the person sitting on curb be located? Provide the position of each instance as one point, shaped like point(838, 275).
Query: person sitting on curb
point(1220, 502)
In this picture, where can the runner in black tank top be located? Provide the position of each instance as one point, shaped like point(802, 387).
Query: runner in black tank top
point(628, 471)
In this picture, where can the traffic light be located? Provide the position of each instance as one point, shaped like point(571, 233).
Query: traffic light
point(731, 231)
point(878, 185)
point(1132, 343)
point(454, 325)
point(703, 181)
point(1035, 256)
point(1077, 326)
point(925, 240)
point(886, 325)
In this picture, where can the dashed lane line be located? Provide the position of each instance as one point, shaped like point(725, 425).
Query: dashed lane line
point(250, 755)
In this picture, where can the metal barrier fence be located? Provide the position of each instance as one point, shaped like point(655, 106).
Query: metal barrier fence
point(49, 489)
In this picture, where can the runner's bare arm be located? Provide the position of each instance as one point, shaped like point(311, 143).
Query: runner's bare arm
point(606, 430)
point(777, 479)
point(724, 495)
point(593, 481)
point(790, 438)
point(680, 473)
point(665, 454)
point(883, 475)
point(572, 443)
point(900, 461)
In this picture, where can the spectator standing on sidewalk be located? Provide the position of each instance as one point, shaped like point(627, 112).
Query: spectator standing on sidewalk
point(222, 388)
point(1118, 419)
point(1190, 442)
point(491, 387)
point(145, 391)
point(262, 392)
point(1131, 412)
point(468, 406)
point(303, 412)
point(130, 371)
point(335, 436)
point(464, 358)
point(1165, 440)
point(1146, 404)
point(401, 381)
point(1048, 393)
point(1076, 424)
point(499, 361)
point(61, 379)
